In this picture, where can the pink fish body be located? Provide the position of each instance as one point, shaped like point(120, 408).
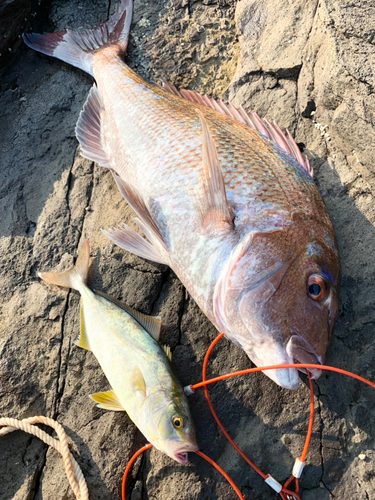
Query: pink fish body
point(237, 218)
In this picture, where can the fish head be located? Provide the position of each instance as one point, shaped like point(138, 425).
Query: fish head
point(169, 425)
point(278, 298)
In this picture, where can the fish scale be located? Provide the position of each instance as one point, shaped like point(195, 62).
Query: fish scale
point(236, 215)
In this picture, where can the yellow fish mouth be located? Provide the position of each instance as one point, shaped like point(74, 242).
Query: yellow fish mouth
point(181, 454)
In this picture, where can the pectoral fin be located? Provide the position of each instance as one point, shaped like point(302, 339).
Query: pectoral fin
point(215, 211)
point(107, 400)
point(138, 382)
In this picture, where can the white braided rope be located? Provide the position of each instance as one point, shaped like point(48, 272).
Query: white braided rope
point(72, 469)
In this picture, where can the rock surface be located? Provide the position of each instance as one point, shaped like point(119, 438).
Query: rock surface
point(308, 65)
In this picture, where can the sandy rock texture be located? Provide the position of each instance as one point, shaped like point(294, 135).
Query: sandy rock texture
point(308, 65)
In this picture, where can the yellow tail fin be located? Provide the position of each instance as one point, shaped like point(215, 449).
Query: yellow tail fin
point(71, 279)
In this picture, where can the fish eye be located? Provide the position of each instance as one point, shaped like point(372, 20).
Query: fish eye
point(317, 288)
point(178, 422)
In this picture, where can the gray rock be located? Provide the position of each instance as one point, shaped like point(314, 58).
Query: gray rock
point(14, 20)
point(307, 65)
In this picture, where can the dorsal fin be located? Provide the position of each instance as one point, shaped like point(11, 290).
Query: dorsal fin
point(214, 204)
point(167, 351)
point(264, 127)
point(152, 324)
point(88, 129)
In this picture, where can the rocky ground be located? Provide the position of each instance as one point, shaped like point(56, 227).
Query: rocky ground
point(308, 65)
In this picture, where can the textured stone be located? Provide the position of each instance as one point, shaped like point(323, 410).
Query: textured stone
point(307, 65)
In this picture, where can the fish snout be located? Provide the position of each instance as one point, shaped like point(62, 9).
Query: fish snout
point(274, 354)
point(301, 352)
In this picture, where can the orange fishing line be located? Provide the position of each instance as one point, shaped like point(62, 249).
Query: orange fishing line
point(209, 460)
point(285, 493)
point(128, 467)
point(278, 367)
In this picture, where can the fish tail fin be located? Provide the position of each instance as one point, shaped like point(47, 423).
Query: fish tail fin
point(78, 47)
point(73, 278)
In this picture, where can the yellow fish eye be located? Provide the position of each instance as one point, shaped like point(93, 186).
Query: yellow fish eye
point(178, 422)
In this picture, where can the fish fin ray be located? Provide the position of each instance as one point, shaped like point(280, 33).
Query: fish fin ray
point(251, 119)
point(152, 324)
point(73, 278)
point(214, 205)
point(132, 196)
point(167, 351)
point(78, 47)
point(107, 400)
point(83, 340)
point(138, 382)
point(88, 129)
point(125, 237)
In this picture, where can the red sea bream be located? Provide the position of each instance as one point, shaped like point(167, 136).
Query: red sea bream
point(224, 198)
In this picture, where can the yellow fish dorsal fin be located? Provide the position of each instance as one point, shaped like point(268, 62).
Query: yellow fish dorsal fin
point(107, 400)
point(83, 340)
point(138, 382)
point(167, 351)
point(152, 325)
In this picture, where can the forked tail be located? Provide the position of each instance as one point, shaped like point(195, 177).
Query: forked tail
point(78, 47)
point(75, 277)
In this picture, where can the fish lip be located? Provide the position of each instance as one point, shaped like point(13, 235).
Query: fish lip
point(284, 377)
point(181, 455)
point(302, 352)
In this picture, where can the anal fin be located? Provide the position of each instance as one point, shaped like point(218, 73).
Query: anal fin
point(107, 400)
point(83, 340)
point(88, 129)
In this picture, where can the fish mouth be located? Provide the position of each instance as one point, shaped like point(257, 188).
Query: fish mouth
point(302, 352)
point(182, 455)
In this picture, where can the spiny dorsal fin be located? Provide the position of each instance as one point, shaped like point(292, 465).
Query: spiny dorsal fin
point(125, 237)
point(83, 340)
point(88, 129)
point(213, 204)
point(107, 400)
point(152, 324)
point(264, 127)
point(167, 351)
point(138, 382)
point(134, 199)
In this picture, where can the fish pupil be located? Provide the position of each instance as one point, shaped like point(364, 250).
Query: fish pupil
point(315, 289)
point(177, 422)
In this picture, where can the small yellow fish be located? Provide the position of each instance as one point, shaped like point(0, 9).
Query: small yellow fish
point(143, 384)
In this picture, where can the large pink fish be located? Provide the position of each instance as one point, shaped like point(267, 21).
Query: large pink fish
point(225, 199)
